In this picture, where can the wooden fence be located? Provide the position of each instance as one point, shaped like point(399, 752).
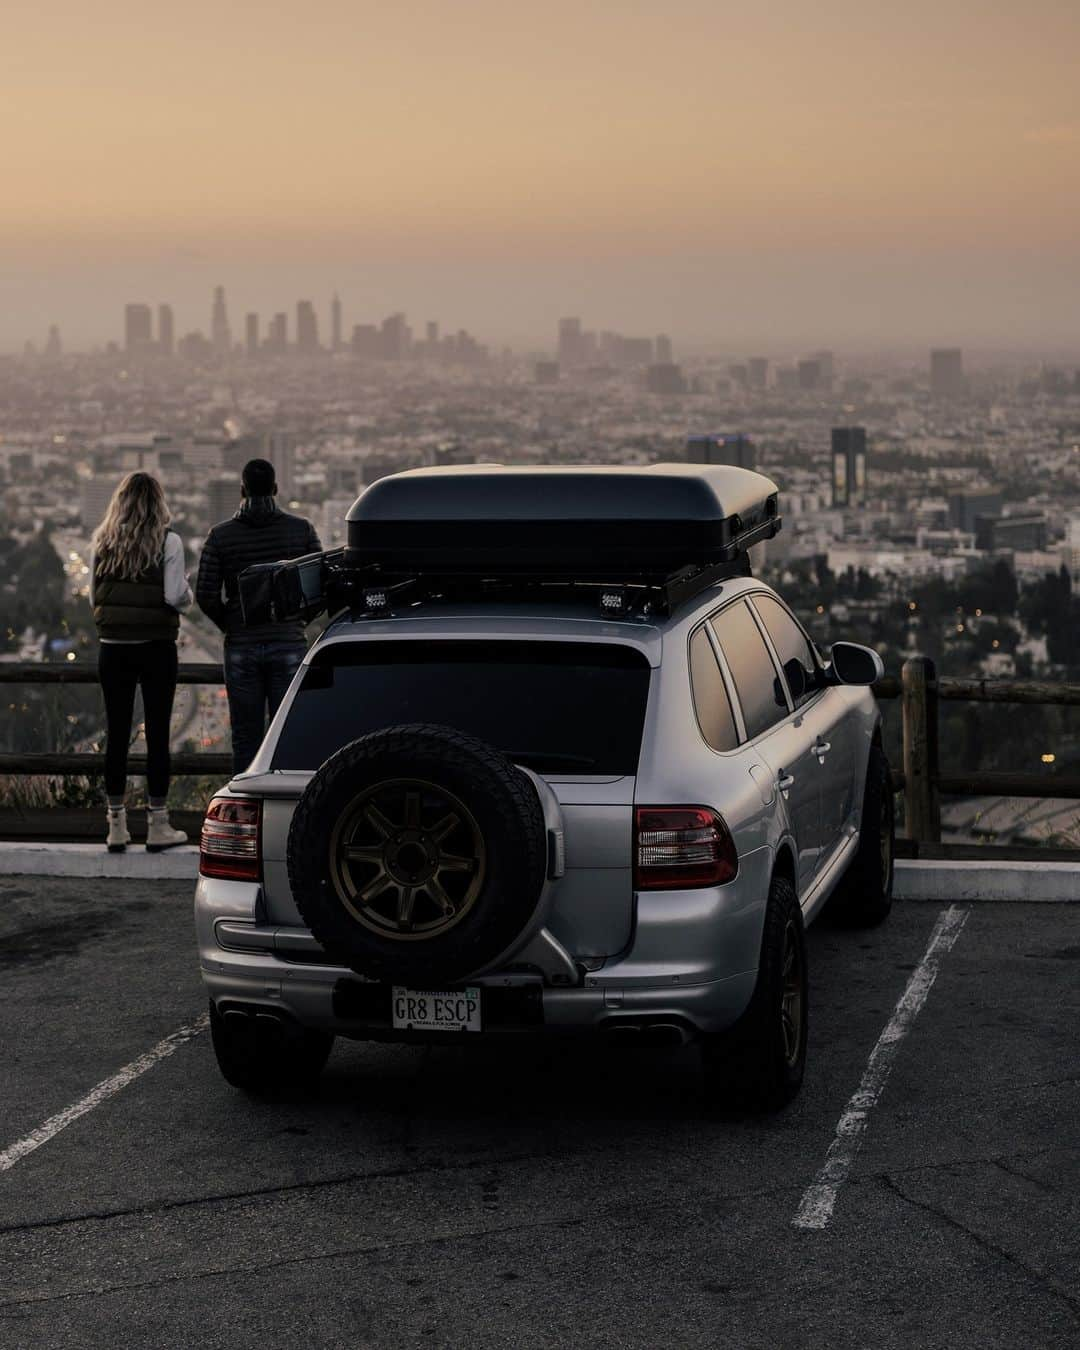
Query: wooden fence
point(919, 778)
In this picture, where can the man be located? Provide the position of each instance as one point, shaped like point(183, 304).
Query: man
point(260, 661)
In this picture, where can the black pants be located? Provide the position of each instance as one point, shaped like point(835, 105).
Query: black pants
point(121, 667)
point(257, 677)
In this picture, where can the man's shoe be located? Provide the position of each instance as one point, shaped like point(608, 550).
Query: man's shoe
point(118, 837)
point(159, 833)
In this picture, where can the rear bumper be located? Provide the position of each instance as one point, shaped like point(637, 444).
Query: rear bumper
point(253, 965)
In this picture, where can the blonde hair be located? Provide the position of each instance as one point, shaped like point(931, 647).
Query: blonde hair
point(131, 538)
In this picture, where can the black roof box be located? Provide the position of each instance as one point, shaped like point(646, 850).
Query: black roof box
point(580, 521)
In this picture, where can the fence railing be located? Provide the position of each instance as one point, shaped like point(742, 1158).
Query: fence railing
point(918, 688)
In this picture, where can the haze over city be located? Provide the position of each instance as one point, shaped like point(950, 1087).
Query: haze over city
point(842, 173)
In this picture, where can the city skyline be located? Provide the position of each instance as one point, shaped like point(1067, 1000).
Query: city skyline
point(908, 174)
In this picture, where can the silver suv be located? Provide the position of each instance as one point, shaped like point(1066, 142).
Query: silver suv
point(544, 808)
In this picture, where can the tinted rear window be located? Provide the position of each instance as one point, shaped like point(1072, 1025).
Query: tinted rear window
point(558, 707)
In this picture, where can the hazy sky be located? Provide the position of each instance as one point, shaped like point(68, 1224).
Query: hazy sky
point(834, 170)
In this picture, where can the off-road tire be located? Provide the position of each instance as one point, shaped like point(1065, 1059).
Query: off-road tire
point(267, 1058)
point(863, 897)
point(752, 1066)
point(508, 820)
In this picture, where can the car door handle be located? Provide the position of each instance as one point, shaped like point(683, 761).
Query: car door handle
point(822, 748)
point(785, 781)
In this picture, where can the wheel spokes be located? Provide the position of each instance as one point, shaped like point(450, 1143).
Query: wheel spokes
point(360, 853)
point(434, 888)
point(450, 862)
point(405, 905)
point(382, 882)
point(412, 810)
point(445, 828)
point(383, 827)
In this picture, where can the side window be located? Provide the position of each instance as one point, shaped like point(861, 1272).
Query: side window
point(792, 646)
point(756, 681)
point(711, 702)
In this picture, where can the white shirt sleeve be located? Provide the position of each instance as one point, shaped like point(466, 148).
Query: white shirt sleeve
point(177, 591)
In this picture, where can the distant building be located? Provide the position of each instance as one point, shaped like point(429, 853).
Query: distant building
point(395, 338)
point(739, 375)
point(220, 335)
point(1070, 552)
point(453, 452)
point(223, 498)
point(665, 379)
point(307, 328)
point(848, 466)
point(787, 378)
point(946, 372)
point(94, 497)
point(365, 342)
point(663, 349)
point(965, 506)
point(277, 336)
point(251, 334)
point(195, 347)
point(723, 449)
point(826, 367)
point(1024, 533)
point(570, 346)
point(546, 372)
point(53, 348)
point(138, 329)
point(809, 373)
point(166, 331)
point(757, 372)
point(335, 323)
point(431, 333)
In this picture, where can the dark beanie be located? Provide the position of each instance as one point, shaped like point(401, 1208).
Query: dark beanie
point(258, 478)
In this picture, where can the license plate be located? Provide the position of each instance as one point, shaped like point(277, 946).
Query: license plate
point(430, 1010)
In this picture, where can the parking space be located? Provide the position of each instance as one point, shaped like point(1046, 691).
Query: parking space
point(530, 1196)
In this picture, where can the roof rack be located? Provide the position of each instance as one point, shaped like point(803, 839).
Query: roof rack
point(636, 541)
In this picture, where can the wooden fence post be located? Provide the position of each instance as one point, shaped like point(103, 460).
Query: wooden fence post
point(918, 710)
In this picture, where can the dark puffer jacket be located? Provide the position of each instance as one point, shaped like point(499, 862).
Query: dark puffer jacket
point(258, 533)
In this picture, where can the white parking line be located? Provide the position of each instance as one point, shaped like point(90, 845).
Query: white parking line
point(819, 1200)
point(107, 1088)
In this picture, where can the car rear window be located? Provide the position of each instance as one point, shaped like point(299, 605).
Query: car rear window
point(557, 707)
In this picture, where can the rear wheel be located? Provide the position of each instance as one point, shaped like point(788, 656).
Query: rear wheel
point(759, 1064)
point(266, 1057)
point(864, 896)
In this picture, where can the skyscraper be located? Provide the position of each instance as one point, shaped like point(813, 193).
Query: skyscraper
point(251, 334)
point(570, 345)
point(663, 350)
point(138, 329)
point(219, 323)
point(757, 372)
point(809, 373)
point(307, 328)
point(946, 372)
point(848, 466)
point(52, 344)
point(166, 338)
point(394, 338)
point(277, 337)
point(722, 449)
point(335, 323)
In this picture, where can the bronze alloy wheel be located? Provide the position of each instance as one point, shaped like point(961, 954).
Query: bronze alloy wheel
point(407, 859)
point(791, 995)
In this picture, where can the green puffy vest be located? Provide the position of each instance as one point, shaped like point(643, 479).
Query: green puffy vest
point(134, 611)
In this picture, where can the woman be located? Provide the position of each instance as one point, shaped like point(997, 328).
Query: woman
point(137, 590)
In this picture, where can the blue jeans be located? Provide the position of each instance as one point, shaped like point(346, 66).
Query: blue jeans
point(257, 675)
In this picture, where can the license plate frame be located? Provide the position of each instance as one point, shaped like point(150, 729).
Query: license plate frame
point(450, 1010)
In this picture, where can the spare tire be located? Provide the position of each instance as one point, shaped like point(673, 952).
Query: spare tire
point(417, 854)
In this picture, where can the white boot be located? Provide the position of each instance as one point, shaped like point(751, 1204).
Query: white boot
point(118, 837)
point(159, 833)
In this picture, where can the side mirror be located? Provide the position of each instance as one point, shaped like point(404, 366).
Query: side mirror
point(851, 664)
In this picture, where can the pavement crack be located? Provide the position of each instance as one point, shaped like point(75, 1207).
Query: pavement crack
point(984, 1243)
point(331, 1254)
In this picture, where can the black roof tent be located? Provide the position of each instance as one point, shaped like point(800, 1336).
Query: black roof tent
point(662, 533)
point(579, 522)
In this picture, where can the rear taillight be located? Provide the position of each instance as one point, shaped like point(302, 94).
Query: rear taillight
point(682, 847)
point(231, 841)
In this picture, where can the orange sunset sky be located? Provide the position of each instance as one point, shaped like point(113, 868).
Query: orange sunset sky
point(839, 170)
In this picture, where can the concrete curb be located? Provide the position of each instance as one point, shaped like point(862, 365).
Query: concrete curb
point(916, 879)
point(94, 860)
point(1035, 882)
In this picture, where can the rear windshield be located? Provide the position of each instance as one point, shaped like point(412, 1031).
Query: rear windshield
point(557, 707)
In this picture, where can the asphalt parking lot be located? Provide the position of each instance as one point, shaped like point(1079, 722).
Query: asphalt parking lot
point(509, 1197)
